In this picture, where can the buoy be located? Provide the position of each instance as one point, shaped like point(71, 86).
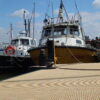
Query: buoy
point(10, 50)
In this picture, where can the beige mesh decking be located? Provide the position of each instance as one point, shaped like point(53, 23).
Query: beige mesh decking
point(67, 82)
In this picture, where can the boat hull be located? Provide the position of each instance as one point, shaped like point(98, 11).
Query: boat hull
point(66, 55)
point(19, 62)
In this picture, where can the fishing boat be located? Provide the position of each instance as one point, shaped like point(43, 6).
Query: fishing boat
point(15, 53)
point(63, 42)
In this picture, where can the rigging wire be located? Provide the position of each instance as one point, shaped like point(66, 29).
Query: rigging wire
point(65, 11)
point(76, 7)
point(80, 19)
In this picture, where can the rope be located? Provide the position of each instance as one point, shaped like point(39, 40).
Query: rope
point(72, 56)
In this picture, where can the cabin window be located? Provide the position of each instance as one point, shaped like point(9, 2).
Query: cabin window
point(78, 41)
point(24, 42)
point(59, 32)
point(47, 33)
point(74, 31)
point(14, 42)
point(65, 31)
point(32, 42)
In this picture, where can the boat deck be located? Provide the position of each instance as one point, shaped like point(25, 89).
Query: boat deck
point(67, 82)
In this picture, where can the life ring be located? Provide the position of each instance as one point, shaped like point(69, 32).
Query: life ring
point(10, 50)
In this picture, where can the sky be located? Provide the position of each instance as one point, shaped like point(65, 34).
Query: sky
point(11, 12)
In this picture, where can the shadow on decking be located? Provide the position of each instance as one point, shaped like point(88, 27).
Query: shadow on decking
point(14, 72)
point(80, 69)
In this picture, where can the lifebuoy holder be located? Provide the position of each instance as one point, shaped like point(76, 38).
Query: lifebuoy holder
point(10, 50)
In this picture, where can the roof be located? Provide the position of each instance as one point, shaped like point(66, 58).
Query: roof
point(64, 24)
point(22, 37)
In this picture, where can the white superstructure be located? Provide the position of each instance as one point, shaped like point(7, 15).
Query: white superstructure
point(19, 47)
point(64, 34)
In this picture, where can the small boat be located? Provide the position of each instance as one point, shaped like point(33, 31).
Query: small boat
point(15, 53)
point(94, 42)
point(62, 42)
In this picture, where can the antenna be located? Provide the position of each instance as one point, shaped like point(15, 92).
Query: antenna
point(47, 10)
point(33, 19)
point(52, 10)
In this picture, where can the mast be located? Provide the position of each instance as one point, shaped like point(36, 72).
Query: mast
point(25, 22)
point(52, 13)
point(33, 19)
point(29, 24)
point(60, 14)
point(52, 24)
point(11, 32)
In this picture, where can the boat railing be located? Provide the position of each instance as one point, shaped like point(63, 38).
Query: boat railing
point(3, 45)
point(51, 21)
